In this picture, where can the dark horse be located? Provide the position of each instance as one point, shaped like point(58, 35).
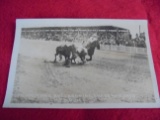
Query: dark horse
point(91, 48)
point(70, 52)
point(66, 51)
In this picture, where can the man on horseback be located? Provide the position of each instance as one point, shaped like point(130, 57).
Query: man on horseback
point(92, 43)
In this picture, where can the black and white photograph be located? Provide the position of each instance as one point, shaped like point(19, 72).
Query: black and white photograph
point(81, 63)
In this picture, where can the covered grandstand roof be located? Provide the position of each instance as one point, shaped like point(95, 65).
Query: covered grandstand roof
point(89, 28)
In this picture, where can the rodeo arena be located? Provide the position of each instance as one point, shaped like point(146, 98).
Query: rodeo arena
point(92, 64)
point(81, 42)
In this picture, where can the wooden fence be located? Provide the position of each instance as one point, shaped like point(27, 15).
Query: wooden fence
point(127, 49)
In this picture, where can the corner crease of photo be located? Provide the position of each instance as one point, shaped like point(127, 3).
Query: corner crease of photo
point(82, 63)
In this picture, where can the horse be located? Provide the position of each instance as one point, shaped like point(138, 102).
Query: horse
point(66, 51)
point(80, 52)
point(90, 46)
point(70, 52)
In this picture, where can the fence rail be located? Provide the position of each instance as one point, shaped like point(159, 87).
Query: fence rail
point(124, 49)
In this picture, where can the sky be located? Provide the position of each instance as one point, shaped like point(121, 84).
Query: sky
point(134, 28)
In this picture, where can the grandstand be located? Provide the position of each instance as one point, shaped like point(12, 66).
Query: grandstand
point(107, 35)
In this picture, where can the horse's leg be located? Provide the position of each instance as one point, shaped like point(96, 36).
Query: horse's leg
point(74, 61)
point(69, 58)
point(84, 59)
point(55, 60)
point(67, 62)
point(73, 57)
point(89, 58)
point(60, 57)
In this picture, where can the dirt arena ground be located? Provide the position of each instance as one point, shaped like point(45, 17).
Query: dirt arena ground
point(111, 77)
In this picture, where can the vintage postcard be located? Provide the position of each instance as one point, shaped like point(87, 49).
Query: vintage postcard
point(82, 63)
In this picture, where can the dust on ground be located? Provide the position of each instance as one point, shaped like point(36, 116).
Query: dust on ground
point(111, 77)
